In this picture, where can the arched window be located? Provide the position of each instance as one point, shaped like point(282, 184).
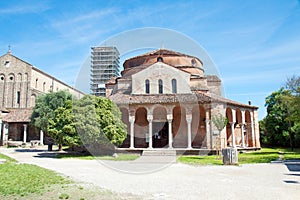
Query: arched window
point(174, 86)
point(159, 59)
point(160, 86)
point(147, 86)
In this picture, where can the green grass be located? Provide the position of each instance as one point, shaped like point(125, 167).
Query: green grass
point(265, 155)
point(121, 157)
point(23, 179)
point(200, 160)
point(8, 159)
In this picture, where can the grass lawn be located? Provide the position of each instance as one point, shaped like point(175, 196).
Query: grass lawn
point(25, 181)
point(121, 156)
point(265, 155)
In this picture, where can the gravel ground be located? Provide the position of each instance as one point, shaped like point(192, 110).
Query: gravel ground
point(171, 180)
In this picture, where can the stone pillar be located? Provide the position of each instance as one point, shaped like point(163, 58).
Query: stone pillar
point(242, 134)
point(25, 133)
point(207, 123)
point(1, 132)
point(131, 120)
point(189, 127)
point(232, 133)
point(150, 119)
point(170, 119)
point(252, 130)
point(41, 137)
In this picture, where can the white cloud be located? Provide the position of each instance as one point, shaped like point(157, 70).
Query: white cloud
point(24, 9)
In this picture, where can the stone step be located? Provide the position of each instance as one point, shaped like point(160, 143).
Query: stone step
point(159, 152)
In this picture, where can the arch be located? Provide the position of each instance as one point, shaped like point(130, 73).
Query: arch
point(141, 127)
point(32, 100)
point(125, 120)
point(248, 129)
point(159, 59)
point(160, 127)
point(26, 77)
point(174, 86)
point(147, 86)
point(19, 77)
point(160, 86)
point(2, 77)
point(11, 77)
point(228, 126)
point(179, 127)
point(198, 126)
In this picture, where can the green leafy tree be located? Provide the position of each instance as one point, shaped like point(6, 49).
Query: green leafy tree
point(98, 121)
point(220, 122)
point(44, 110)
point(281, 126)
point(276, 125)
point(62, 126)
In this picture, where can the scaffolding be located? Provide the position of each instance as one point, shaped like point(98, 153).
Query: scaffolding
point(104, 65)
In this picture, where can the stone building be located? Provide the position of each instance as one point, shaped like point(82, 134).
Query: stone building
point(20, 84)
point(167, 101)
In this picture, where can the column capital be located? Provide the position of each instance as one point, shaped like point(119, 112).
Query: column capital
point(169, 117)
point(189, 118)
point(150, 118)
point(131, 119)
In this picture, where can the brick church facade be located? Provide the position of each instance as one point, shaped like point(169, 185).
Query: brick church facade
point(167, 101)
point(20, 84)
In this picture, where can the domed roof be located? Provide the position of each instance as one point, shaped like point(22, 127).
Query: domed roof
point(187, 63)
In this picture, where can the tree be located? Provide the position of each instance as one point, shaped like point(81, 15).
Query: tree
point(98, 122)
point(220, 122)
point(44, 111)
point(281, 126)
point(62, 126)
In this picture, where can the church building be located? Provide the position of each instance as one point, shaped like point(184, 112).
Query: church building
point(168, 102)
point(20, 84)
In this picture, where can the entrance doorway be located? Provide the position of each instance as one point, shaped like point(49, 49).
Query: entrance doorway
point(160, 134)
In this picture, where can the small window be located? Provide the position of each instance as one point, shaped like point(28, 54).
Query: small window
point(36, 82)
point(44, 86)
point(2, 78)
point(193, 62)
point(11, 78)
point(18, 97)
point(147, 86)
point(174, 86)
point(6, 64)
point(159, 59)
point(160, 86)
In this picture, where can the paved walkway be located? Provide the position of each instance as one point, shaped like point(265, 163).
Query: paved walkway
point(176, 181)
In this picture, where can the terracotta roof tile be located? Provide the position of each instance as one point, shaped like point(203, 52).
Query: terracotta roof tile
point(18, 115)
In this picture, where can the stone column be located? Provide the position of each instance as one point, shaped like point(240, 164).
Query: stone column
point(150, 119)
point(252, 129)
point(41, 137)
point(131, 120)
point(170, 119)
point(207, 123)
point(242, 132)
point(189, 127)
point(232, 133)
point(242, 125)
point(25, 133)
point(1, 132)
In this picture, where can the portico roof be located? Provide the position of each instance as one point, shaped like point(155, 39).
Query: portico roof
point(18, 115)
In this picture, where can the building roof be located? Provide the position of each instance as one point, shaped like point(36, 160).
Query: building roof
point(127, 99)
point(18, 115)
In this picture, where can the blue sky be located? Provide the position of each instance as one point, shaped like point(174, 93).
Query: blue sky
point(255, 44)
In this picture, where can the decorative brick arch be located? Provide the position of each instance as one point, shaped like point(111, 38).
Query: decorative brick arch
point(179, 127)
point(248, 129)
point(228, 126)
point(125, 120)
point(198, 126)
point(140, 127)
